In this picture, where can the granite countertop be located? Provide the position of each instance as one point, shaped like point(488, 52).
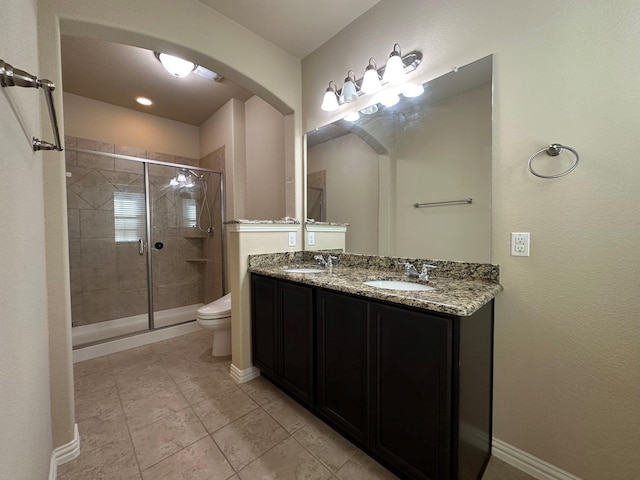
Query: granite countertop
point(460, 288)
point(282, 221)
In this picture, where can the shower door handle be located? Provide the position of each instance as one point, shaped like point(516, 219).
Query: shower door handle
point(140, 247)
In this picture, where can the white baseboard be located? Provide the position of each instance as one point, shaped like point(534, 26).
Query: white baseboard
point(529, 464)
point(243, 376)
point(64, 453)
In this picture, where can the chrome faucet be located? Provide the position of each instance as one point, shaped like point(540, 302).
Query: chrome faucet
point(411, 271)
point(329, 262)
point(424, 274)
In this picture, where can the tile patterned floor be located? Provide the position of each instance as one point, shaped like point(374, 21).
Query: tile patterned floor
point(170, 411)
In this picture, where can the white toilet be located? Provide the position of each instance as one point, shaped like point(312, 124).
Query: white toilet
point(216, 316)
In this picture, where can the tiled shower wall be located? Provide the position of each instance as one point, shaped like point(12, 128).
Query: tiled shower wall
point(109, 278)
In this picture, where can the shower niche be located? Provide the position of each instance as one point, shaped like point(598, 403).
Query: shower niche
point(145, 238)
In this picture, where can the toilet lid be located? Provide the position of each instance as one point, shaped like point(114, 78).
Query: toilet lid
point(217, 309)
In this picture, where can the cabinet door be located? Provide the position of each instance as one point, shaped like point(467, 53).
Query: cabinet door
point(295, 304)
point(412, 391)
point(264, 324)
point(343, 362)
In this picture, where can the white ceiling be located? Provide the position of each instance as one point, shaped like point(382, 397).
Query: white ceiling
point(117, 74)
point(114, 73)
point(296, 26)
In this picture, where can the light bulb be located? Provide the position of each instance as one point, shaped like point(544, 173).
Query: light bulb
point(413, 91)
point(349, 93)
point(330, 100)
point(176, 66)
point(389, 99)
point(352, 117)
point(370, 80)
point(394, 70)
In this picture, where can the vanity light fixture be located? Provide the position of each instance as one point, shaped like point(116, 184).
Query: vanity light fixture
point(371, 79)
point(330, 100)
point(352, 117)
point(144, 101)
point(413, 91)
point(394, 70)
point(349, 90)
point(176, 66)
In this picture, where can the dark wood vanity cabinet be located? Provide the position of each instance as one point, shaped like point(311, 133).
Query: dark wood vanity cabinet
point(283, 334)
point(410, 387)
point(343, 362)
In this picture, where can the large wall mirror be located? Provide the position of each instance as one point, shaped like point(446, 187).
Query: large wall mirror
point(428, 149)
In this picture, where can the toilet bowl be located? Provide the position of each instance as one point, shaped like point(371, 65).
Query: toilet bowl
point(216, 316)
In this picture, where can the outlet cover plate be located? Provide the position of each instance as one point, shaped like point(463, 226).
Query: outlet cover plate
point(311, 238)
point(292, 239)
point(520, 242)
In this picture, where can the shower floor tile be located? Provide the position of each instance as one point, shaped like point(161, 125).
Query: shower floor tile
point(171, 411)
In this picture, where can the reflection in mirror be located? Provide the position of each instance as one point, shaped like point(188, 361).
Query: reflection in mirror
point(436, 147)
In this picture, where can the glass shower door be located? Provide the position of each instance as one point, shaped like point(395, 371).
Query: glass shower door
point(177, 244)
point(107, 233)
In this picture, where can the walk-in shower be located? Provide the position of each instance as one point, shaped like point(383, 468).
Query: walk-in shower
point(146, 244)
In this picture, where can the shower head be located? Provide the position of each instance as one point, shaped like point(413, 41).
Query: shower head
point(184, 178)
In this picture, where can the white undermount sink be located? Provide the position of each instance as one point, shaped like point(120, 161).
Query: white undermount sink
point(399, 285)
point(304, 270)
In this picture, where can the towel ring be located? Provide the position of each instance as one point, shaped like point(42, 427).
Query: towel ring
point(554, 150)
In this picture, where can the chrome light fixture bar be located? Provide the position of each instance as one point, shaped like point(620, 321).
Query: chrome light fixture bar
point(394, 72)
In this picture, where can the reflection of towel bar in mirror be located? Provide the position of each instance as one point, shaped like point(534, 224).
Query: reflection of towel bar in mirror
point(14, 77)
point(444, 204)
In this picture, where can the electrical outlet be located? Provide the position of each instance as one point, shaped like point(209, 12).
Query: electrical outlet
point(520, 244)
point(311, 238)
point(292, 239)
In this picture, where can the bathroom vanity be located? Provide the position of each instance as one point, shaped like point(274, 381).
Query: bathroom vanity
point(405, 375)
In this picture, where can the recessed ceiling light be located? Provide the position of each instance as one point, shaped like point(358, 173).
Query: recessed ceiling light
point(144, 101)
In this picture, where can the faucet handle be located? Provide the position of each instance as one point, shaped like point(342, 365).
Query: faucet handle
point(320, 259)
point(410, 270)
point(424, 274)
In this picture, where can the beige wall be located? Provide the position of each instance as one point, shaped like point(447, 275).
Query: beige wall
point(352, 188)
point(567, 341)
point(226, 128)
point(448, 159)
point(265, 160)
point(87, 118)
point(25, 413)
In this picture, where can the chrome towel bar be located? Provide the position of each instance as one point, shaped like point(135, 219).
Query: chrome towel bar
point(14, 77)
point(444, 204)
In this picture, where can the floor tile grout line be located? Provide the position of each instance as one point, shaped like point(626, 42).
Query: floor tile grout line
point(176, 452)
point(333, 474)
point(235, 472)
point(133, 446)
